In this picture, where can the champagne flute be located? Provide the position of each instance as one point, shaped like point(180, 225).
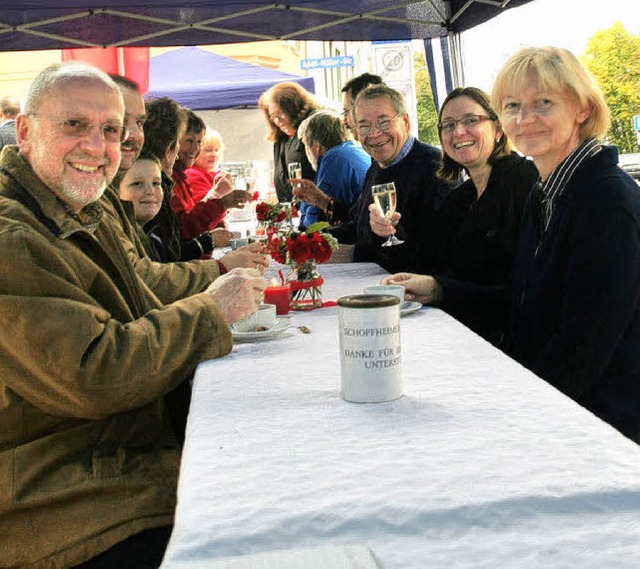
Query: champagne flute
point(295, 171)
point(384, 196)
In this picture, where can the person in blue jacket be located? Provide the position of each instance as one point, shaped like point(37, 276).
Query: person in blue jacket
point(340, 166)
point(575, 284)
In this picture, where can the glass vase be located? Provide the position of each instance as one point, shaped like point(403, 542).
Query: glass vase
point(306, 286)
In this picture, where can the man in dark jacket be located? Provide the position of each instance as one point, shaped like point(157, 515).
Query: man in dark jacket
point(382, 123)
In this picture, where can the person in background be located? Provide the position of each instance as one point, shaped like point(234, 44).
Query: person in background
point(169, 281)
point(89, 459)
point(202, 174)
point(340, 167)
point(384, 131)
point(474, 239)
point(350, 92)
point(285, 106)
point(135, 115)
point(166, 122)
point(576, 276)
point(203, 178)
point(198, 217)
point(141, 185)
point(9, 109)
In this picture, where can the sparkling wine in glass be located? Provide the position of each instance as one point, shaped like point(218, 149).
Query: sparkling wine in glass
point(384, 196)
point(295, 171)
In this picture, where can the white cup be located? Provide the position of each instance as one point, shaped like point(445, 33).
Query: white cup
point(394, 290)
point(263, 319)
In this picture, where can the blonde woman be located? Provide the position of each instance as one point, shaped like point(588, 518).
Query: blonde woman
point(201, 176)
point(575, 286)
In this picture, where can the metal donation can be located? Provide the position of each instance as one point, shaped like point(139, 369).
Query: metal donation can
point(370, 363)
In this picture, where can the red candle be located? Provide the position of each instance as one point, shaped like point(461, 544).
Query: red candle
point(278, 295)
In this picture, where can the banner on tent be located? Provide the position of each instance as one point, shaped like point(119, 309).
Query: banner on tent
point(131, 62)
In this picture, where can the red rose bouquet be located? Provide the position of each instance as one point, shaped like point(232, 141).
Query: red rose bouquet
point(298, 248)
point(303, 250)
point(272, 213)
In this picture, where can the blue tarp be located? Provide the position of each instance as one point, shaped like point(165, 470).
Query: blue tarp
point(51, 24)
point(202, 80)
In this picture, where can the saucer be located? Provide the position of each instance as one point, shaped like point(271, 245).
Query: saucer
point(281, 325)
point(409, 306)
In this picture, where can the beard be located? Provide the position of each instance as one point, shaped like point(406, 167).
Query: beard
point(85, 193)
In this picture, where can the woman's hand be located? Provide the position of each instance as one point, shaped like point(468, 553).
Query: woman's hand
point(237, 198)
point(380, 225)
point(222, 185)
point(422, 288)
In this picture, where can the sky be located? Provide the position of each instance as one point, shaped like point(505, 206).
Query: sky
point(563, 23)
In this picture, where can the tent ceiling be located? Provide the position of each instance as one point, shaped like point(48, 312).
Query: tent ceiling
point(53, 24)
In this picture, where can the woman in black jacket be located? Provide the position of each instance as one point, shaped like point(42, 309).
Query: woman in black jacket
point(285, 106)
point(473, 240)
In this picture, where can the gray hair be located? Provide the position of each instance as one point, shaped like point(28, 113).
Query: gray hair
point(325, 127)
point(59, 75)
point(381, 91)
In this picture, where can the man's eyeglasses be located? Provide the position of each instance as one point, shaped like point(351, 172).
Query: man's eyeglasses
point(364, 128)
point(79, 127)
point(281, 118)
point(468, 121)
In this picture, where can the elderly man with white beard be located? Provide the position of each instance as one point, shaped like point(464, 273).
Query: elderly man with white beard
point(89, 459)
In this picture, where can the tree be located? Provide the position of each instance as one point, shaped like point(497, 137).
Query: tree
point(613, 57)
point(425, 107)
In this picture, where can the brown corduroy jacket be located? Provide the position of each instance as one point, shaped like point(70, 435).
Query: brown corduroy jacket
point(87, 352)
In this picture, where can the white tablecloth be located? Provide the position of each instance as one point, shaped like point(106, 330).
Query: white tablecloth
point(480, 464)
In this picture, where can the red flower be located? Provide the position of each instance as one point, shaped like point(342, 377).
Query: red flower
point(278, 250)
point(255, 196)
point(320, 248)
point(262, 211)
point(299, 248)
point(280, 216)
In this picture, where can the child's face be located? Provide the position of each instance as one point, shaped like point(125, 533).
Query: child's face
point(142, 186)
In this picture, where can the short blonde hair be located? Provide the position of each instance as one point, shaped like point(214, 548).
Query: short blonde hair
point(213, 138)
point(558, 70)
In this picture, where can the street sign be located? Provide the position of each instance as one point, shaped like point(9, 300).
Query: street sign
point(324, 62)
point(636, 123)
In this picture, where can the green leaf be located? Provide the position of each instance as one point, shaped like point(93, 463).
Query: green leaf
point(317, 226)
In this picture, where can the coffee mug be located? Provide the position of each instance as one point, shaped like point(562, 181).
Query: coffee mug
point(394, 290)
point(262, 319)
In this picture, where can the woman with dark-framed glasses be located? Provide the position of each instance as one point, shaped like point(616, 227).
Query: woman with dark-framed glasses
point(474, 239)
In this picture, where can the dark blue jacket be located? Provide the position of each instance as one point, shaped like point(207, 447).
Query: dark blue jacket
point(576, 293)
point(419, 194)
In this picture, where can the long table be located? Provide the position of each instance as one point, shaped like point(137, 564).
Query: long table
point(480, 464)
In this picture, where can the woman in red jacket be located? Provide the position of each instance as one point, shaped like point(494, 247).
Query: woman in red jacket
point(196, 217)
